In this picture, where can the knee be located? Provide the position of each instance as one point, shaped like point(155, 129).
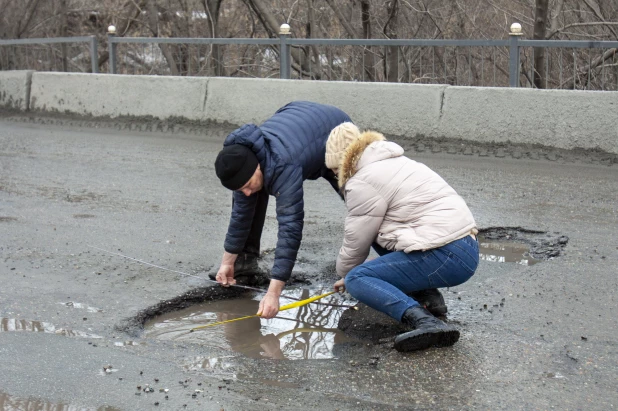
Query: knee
point(356, 273)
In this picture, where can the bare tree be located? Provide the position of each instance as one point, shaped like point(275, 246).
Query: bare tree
point(369, 19)
point(540, 22)
point(391, 60)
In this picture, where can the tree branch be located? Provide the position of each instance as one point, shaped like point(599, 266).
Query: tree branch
point(594, 23)
point(554, 20)
point(345, 22)
point(153, 23)
point(28, 15)
point(594, 6)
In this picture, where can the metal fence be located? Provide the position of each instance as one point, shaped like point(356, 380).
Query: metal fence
point(589, 65)
point(69, 54)
point(583, 65)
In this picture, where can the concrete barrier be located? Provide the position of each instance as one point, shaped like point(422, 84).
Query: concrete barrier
point(555, 118)
point(15, 89)
point(398, 109)
point(118, 95)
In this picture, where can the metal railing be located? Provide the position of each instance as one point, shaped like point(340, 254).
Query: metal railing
point(46, 58)
point(587, 65)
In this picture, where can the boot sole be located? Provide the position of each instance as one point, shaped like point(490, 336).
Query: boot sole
point(420, 340)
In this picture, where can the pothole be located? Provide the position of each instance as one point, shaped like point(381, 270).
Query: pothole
point(520, 246)
point(307, 332)
point(505, 252)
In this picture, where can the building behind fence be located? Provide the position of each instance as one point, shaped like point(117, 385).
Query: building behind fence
point(581, 65)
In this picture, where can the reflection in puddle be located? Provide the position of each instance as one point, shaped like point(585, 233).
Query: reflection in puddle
point(307, 332)
point(8, 402)
point(13, 324)
point(505, 252)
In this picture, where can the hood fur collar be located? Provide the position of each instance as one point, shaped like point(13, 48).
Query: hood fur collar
point(353, 153)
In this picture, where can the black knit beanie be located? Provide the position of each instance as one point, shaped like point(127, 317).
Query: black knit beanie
point(235, 165)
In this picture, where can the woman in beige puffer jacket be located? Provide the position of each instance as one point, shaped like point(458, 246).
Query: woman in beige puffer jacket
point(422, 229)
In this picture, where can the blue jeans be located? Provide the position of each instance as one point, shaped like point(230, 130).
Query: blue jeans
point(383, 283)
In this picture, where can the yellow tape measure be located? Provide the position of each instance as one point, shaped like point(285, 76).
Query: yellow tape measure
point(285, 307)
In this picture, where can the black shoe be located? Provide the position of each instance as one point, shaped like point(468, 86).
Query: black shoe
point(431, 299)
point(428, 331)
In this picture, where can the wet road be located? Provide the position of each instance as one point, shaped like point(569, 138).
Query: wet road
point(533, 337)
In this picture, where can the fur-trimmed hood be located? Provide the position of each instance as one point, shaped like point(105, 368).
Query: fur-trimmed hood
point(363, 151)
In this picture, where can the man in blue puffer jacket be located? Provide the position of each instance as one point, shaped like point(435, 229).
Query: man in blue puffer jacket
point(272, 159)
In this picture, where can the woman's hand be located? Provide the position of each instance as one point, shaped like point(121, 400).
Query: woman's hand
point(339, 286)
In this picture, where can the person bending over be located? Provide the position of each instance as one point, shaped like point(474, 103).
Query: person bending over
point(272, 159)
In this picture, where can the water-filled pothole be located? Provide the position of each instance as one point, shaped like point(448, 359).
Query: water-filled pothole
point(519, 245)
point(504, 251)
point(307, 332)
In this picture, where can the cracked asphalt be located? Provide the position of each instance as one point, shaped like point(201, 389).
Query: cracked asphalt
point(533, 337)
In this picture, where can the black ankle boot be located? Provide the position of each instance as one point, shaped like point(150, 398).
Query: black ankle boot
point(246, 270)
point(431, 299)
point(428, 331)
point(246, 265)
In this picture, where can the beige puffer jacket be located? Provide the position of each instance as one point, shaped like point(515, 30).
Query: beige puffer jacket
point(397, 202)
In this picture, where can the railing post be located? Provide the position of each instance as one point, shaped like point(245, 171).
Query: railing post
point(111, 33)
point(94, 54)
point(285, 66)
point(514, 55)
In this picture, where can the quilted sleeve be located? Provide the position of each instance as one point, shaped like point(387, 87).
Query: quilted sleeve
point(288, 191)
point(243, 210)
point(366, 211)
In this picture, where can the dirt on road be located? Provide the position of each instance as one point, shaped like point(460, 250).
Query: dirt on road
point(80, 327)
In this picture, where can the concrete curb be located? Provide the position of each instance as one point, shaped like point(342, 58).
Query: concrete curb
point(398, 109)
point(118, 95)
point(553, 118)
point(556, 118)
point(15, 89)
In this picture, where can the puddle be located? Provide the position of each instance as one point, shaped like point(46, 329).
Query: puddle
point(9, 402)
point(14, 324)
point(504, 251)
point(308, 332)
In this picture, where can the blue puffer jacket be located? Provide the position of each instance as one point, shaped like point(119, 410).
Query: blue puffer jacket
point(290, 147)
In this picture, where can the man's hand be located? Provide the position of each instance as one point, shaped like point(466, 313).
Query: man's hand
point(225, 275)
point(269, 306)
point(339, 286)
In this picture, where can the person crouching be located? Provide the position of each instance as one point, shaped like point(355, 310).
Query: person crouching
point(421, 228)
